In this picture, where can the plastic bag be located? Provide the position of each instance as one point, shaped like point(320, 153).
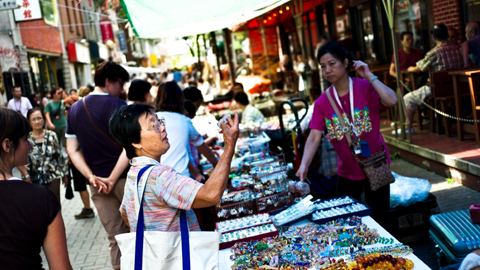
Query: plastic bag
point(301, 188)
point(406, 191)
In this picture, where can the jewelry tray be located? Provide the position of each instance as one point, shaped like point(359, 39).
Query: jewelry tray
point(247, 239)
point(366, 212)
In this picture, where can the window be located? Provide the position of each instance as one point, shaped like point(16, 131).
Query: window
point(472, 10)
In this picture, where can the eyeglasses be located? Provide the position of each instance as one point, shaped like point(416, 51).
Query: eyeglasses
point(156, 125)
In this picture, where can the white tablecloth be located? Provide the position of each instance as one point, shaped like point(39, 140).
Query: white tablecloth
point(226, 264)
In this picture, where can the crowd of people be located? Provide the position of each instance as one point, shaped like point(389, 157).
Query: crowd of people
point(99, 139)
point(104, 136)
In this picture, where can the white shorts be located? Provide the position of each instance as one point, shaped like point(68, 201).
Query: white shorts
point(421, 94)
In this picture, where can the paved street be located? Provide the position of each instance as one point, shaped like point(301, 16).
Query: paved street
point(86, 239)
point(88, 244)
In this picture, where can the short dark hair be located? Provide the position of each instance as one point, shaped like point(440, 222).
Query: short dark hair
point(440, 32)
point(335, 49)
point(170, 98)
point(138, 89)
point(14, 127)
point(125, 128)
point(17, 86)
point(193, 94)
point(31, 111)
point(241, 98)
point(53, 92)
point(111, 71)
point(73, 90)
point(190, 108)
point(404, 33)
point(238, 84)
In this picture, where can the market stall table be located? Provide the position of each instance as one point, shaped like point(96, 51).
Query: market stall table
point(226, 264)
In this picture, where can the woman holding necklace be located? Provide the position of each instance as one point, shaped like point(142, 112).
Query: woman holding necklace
point(45, 156)
point(359, 101)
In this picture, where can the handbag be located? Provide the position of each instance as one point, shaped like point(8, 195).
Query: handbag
point(166, 250)
point(376, 167)
point(37, 178)
point(56, 114)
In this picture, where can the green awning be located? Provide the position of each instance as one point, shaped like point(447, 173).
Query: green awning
point(179, 18)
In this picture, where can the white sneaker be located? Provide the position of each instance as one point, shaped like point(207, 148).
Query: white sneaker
point(399, 131)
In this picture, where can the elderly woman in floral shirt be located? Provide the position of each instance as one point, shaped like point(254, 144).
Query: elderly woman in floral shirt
point(47, 165)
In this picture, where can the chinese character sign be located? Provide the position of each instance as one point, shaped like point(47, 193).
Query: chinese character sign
point(29, 10)
point(8, 4)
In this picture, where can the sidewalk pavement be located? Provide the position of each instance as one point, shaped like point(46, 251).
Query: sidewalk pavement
point(88, 245)
point(86, 238)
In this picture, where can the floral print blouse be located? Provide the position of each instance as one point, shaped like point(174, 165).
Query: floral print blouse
point(55, 165)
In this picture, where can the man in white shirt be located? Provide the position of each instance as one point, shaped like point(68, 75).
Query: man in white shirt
point(19, 103)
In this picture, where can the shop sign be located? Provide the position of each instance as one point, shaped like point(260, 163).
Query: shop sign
point(29, 10)
point(78, 53)
point(122, 40)
point(107, 31)
point(9, 56)
point(8, 4)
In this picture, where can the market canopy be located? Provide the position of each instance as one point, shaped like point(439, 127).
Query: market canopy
point(156, 19)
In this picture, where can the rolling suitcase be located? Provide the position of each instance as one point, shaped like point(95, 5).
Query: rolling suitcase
point(454, 236)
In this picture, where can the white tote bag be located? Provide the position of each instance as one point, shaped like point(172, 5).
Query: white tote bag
point(166, 250)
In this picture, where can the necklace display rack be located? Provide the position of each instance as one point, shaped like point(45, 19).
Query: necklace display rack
point(268, 193)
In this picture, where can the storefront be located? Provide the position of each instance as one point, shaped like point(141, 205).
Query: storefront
point(46, 70)
point(79, 58)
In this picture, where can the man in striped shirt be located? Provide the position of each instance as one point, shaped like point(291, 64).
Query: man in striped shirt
point(443, 57)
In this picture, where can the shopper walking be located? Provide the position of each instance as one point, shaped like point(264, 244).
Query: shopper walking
point(30, 214)
point(79, 181)
point(46, 165)
point(94, 151)
point(55, 116)
point(18, 103)
point(359, 101)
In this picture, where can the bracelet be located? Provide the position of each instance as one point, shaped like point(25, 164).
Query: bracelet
point(27, 176)
point(373, 79)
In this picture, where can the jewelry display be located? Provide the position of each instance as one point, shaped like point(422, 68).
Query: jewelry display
point(381, 261)
point(306, 247)
point(302, 208)
point(337, 211)
point(249, 232)
point(239, 223)
point(333, 202)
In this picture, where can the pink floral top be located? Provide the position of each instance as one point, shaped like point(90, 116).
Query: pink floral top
point(367, 107)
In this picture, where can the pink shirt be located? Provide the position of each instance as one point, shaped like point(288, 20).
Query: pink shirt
point(367, 121)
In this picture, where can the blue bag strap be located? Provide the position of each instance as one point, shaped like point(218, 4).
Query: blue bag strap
point(140, 226)
point(185, 240)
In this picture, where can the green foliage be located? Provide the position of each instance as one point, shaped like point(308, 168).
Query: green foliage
point(450, 181)
point(395, 156)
